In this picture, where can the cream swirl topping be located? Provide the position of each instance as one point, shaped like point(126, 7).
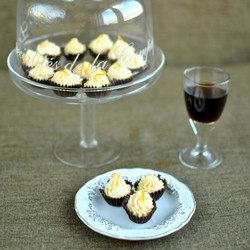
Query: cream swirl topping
point(83, 69)
point(120, 48)
point(119, 71)
point(48, 48)
point(117, 187)
point(74, 47)
point(41, 72)
point(31, 59)
point(133, 61)
point(140, 204)
point(97, 79)
point(101, 45)
point(66, 78)
point(150, 183)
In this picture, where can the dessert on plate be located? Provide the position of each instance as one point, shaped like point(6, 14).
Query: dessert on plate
point(119, 49)
point(65, 78)
point(100, 46)
point(50, 50)
point(41, 73)
point(97, 79)
point(152, 184)
point(31, 58)
point(139, 206)
point(118, 73)
point(74, 49)
point(83, 70)
point(134, 62)
point(116, 190)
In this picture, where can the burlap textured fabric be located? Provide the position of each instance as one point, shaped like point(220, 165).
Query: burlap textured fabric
point(37, 192)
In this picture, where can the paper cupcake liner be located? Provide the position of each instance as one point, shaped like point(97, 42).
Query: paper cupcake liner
point(98, 94)
point(139, 70)
point(72, 57)
point(157, 194)
point(64, 93)
point(137, 219)
point(46, 82)
point(122, 81)
point(101, 56)
point(116, 202)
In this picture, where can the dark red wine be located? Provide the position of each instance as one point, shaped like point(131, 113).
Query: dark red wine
point(205, 103)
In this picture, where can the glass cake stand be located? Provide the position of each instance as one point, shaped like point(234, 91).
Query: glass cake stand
point(61, 20)
point(86, 150)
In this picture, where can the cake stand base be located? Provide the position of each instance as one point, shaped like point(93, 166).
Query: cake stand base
point(71, 152)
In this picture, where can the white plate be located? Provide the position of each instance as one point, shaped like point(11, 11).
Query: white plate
point(174, 209)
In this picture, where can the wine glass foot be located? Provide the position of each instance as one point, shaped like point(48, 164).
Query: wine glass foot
point(71, 152)
point(192, 158)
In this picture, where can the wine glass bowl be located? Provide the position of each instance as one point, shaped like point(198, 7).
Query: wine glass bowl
point(56, 23)
point(205, 93)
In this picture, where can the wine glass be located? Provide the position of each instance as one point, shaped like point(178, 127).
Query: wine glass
point(60, 21)
point(205, 93)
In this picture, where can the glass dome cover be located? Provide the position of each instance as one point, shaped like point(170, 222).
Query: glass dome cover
point(66, 33)
point(61, 20)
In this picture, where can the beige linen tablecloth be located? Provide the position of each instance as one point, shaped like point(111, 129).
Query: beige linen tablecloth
point(37, 192)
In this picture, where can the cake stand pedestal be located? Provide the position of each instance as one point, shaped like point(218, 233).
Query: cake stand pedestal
point(89, 151)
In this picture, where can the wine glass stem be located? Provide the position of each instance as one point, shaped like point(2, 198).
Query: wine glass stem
point(87, 126)
point(201, 130)
point(201, 143)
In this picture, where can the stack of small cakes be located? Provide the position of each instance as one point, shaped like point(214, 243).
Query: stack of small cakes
point(139, 202)
point(31, 58)
point(40, 65)
point(126, 54)
point(37, 64)
point(120, 51)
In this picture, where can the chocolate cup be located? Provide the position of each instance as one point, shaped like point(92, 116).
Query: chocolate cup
point(45, 82)
point(137, 219)
point(122, 81)
point(72, 57)
point(139, 70)
point(157, 194)
point(101, 56)
point(64, 93)
point(116, 202)
point(98, 94)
